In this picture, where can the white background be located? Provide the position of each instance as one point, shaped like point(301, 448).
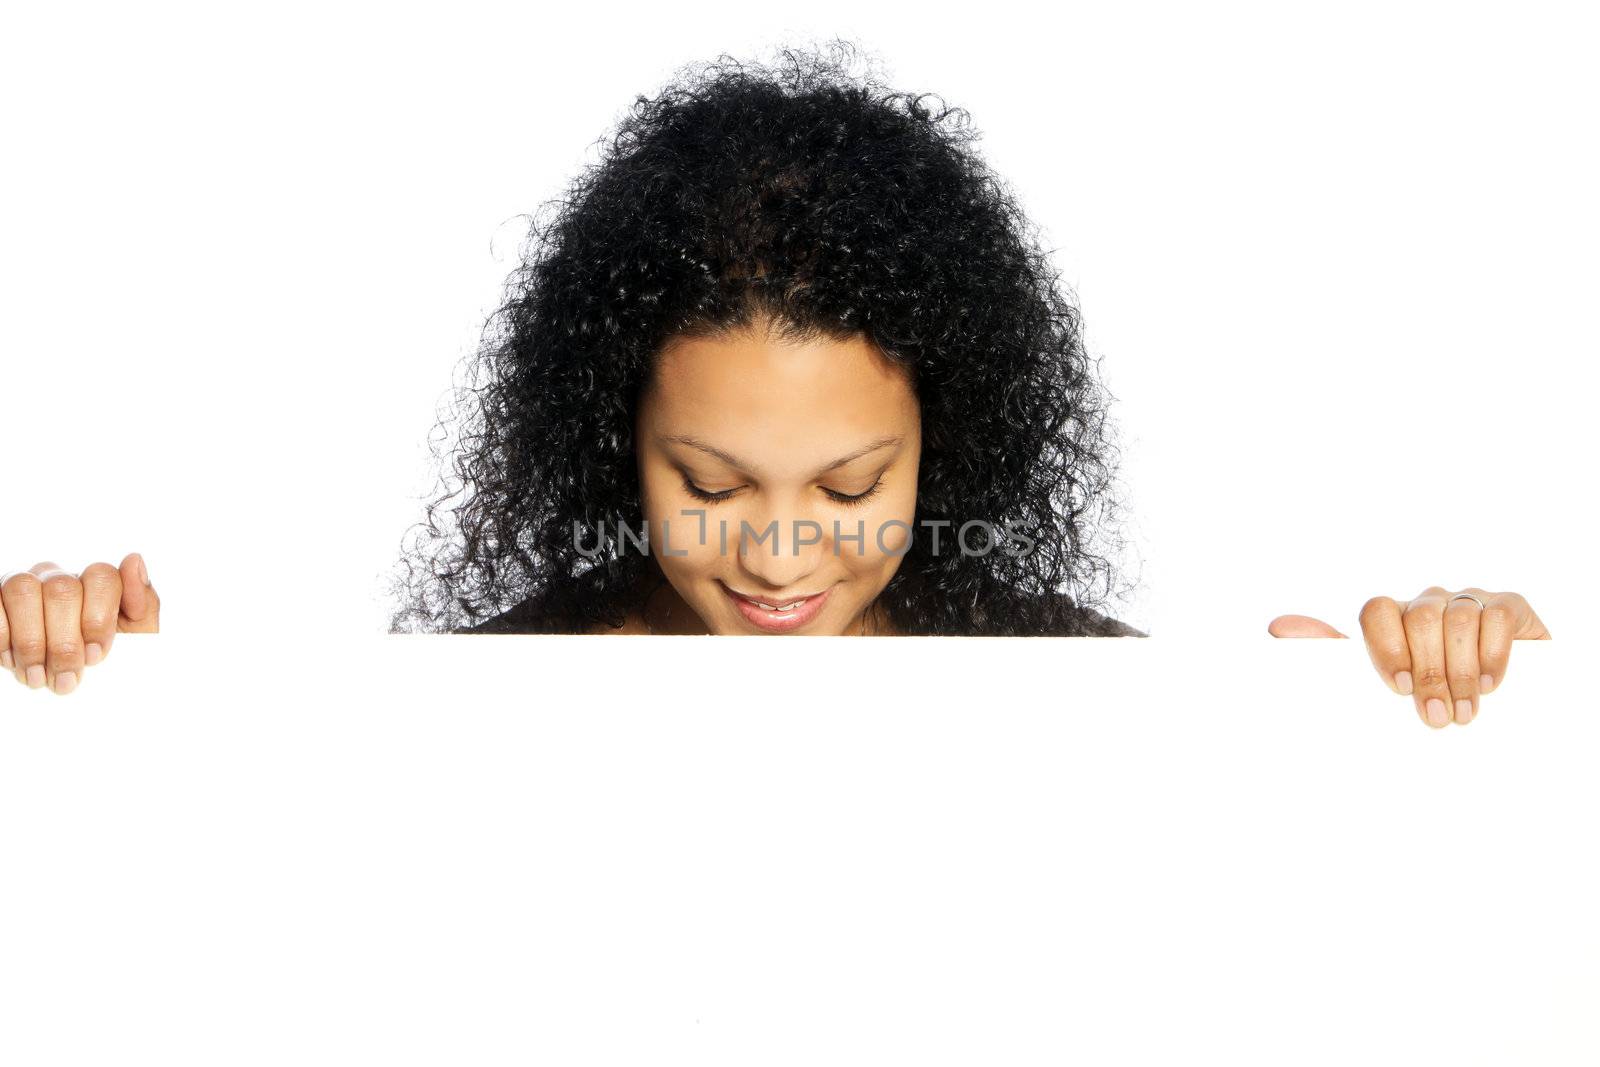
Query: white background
point(1340, 266)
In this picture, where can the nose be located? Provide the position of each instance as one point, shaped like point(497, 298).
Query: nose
point(788, 550)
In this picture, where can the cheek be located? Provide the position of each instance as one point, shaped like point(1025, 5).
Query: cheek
point(886, 532)
point(690, 563)
point(685, 543)
point(692, 526)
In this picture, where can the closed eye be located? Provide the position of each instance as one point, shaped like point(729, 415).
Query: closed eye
point(847, 499)
point(701, 494)
point(857, 499)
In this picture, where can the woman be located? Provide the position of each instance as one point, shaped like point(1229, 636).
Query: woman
point(793, 304)
point(787, 361)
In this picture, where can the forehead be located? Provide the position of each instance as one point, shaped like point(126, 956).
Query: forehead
point(748, 382)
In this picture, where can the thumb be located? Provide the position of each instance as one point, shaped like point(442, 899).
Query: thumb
point(141, 607)
point(1300, 626)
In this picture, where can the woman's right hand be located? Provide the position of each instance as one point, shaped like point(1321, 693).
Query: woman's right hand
point(53, 625)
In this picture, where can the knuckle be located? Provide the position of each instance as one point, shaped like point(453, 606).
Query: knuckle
point(1377, 607)
point(96, 622)
point(66, 650)
point(1396, 657)
point(21, 585)
point(1427, 677)
point(1423, 617)
point(27, 649)
point(62, 587)
point(1499, 616)
point(100, 577)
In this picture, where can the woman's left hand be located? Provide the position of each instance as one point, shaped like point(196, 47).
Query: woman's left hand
point(1441, 650)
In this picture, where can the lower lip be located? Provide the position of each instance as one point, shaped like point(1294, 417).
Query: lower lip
point(779, 622)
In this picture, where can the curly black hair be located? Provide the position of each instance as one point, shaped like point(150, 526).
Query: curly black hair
point(800, 194)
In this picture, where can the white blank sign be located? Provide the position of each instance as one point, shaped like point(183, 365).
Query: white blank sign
point(514, 849)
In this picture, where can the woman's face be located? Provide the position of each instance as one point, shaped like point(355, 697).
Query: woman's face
point(783, 435)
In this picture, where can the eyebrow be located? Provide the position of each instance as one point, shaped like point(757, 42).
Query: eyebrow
point(734, 461)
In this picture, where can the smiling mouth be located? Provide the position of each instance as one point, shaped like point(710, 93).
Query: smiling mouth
point(772, 604)
point(782, 614)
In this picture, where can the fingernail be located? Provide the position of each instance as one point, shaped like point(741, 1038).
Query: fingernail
point(1485, 682)
point(93, 653)
point(1438, 714)
point(144, 574)
point(6, 661)
point(1463, 710)
point(1402, 682)
point(66, 682)
point(36, 676)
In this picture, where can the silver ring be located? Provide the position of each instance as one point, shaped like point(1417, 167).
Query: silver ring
point(1469, 596)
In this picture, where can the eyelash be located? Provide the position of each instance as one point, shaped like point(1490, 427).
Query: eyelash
point(838, 498)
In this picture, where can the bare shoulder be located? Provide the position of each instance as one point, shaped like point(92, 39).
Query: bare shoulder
point(1105, 626)
point(1097, 624)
